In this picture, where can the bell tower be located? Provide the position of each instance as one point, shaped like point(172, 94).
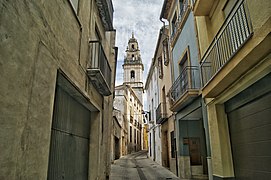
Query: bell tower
point(133, 68)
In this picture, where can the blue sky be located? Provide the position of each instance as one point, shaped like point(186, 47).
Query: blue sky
point(142, 18)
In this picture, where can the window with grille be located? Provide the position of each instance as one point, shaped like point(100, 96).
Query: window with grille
point(165, 52)
point(160, 65)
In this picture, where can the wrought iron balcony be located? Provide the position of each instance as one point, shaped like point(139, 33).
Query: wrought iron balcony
point(161, 113)
point(188, 83)
point(233, 34)
point(99, 71)
point(106, 10)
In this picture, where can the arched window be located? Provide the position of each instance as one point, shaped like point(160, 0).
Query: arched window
point(133, 57)
point(133, 46)
point(132, 74)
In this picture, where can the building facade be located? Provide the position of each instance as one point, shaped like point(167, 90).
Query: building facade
point(129, 96)
point(163, 145)
point(164, 115)
point(234, 41)
point(128, 104)
point(154, 131)
point(57, 79)
point(185, 96)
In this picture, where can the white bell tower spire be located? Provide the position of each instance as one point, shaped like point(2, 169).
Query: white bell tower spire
point(133, 67)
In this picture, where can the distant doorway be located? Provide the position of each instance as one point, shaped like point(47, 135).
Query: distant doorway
point(117, 148)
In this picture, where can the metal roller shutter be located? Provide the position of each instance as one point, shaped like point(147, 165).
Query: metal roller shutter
point(249, 116)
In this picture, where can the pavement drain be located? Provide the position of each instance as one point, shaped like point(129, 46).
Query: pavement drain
point(168, 178)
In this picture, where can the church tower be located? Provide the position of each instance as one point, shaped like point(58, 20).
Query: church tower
point(133, 68)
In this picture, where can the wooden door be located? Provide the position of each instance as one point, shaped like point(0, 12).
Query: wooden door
point(194, 151)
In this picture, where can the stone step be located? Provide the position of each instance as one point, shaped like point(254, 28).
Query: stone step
point(200, 176)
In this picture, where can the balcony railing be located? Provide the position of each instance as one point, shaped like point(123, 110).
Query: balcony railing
point(233, 34)
point(188, 80)
point(99, 71)
point(179, 21)
point(137, 61)
point(161, 113)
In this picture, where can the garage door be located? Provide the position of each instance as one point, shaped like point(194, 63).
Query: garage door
point(69, 151)
point(249, 115)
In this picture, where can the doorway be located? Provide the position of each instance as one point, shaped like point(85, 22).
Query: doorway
point(194, 151)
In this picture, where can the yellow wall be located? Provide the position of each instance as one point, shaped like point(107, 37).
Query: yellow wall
point(250, 63)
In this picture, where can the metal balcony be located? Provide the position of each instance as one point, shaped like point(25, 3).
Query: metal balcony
point(233, 34)
point(106, 10)
point(99, 71)
point(184, 88)
point(161, 113)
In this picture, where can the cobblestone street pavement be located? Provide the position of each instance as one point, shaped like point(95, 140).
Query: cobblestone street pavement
point(137, 166)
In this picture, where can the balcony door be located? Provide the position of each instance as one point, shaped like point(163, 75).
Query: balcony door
point(183, 64)
point(164, 101)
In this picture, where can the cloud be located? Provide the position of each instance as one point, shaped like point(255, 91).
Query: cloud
point(142, 18)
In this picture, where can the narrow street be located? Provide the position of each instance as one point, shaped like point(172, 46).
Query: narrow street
point(137, 166)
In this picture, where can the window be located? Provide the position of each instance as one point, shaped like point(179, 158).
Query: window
point(152, 118)
point(183, 71)
point(165, 52)
point(135, 136)
point(173, 25)
point(132, 74)
point(160, 66)
point(97, 34)
point(181, 4)
point(75, 5)
point(131, 131)
point(173, 144)
point(133, 46)
point(133, 57)
point(183, 63)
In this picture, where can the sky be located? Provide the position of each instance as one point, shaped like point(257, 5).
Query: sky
point(142, 18)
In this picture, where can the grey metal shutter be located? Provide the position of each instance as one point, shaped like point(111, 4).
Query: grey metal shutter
point(69, 150)
point(249, 115)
